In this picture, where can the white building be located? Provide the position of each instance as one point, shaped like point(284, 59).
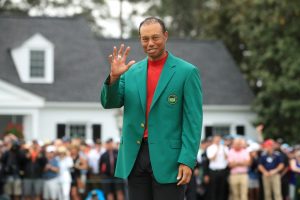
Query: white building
point(52, 69)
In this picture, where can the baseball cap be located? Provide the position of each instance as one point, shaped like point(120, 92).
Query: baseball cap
point(50, 148)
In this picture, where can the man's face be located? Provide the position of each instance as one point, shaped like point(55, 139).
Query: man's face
point(50, 155)
point(153, 40)
point(217, 139)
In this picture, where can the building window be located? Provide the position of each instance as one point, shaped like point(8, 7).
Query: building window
point(221, 130)
point(77, 131)
point(216, 130)
point(37, 64)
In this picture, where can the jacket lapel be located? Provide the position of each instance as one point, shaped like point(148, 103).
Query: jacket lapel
point(141, 80)
point(166, 75)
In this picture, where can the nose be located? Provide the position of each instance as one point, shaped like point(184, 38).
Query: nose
point(150, 43)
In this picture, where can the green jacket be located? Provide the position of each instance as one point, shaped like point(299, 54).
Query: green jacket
point(175, 117)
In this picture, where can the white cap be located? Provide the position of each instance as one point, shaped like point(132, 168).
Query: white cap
point(50, 148)
point(253, 146)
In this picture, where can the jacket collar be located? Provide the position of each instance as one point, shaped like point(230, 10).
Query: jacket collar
point(166, 75)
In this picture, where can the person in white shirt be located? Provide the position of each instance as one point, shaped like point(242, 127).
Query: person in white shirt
point(217, 155)
point(93, 157)
point(65, 164)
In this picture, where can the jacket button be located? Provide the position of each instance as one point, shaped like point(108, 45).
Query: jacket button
point(142, 125)
point(138, 142)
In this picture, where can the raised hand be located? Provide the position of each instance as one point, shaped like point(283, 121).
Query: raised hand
point(118, 64)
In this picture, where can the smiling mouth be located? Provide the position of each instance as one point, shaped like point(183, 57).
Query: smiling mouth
point(151, 50)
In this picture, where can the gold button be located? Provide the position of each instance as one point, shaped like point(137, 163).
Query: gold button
point(142, 125)
point(138, 142)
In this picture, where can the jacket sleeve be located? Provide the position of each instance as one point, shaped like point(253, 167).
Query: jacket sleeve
point(112, 96)
point(192, 119)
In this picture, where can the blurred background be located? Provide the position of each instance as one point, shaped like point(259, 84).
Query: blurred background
point(259, 38)
point(53, 62)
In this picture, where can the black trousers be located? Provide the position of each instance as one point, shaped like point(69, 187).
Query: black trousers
point(142, 184)
point(218, 186)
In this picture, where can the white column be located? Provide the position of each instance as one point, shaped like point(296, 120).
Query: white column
point(88, 131)
point(35, 125)
point(27, 127)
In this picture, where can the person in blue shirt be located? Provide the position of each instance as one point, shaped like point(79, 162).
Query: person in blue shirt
point(270, 164)
point(51, 175)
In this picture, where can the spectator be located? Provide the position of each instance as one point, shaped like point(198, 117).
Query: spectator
point(202, 170)
point(253, 186)
point(65, 165)
point(270, 165)
point(34, 163)
point(93, 161)
point(51, 174)
point(107, 165)
point(238, 161)
point(80, 163)
point(285, 172)
point(11, 167)
point(2, 180)
point(295, 167)
point(217, 155)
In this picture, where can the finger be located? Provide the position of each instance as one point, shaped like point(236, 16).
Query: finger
point(121, 50)
point(130, 64)
point(110, 58)
point(127, 50)
point(115, 52)
point(185, 178)
point(181, 182)
point(180, 173)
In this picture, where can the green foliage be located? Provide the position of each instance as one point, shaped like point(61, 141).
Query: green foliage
point(15, 129)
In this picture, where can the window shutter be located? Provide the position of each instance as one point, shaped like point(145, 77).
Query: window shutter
point(208, 131)
point(240, 130)
point(60, 130)
point(96, 132)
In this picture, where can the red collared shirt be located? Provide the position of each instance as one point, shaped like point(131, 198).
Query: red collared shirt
point(153, 73)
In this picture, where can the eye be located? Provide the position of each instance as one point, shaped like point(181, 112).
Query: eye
point(155, 38)
point(145, 39)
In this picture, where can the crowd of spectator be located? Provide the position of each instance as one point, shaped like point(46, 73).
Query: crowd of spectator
point(228, 169)
point(240, 169)
point(59, 170)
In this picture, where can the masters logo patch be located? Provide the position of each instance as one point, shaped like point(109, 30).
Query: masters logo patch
point(172, 99)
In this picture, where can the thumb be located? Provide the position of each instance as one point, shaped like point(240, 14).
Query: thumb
point(180, 173)
point(130, 64)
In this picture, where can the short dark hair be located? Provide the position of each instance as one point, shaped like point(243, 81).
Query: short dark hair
point(109, 140)
point(152, 20)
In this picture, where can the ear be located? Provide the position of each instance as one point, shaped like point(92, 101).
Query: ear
point(166, 34)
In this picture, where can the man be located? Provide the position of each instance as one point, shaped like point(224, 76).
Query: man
point(11, 164)
point(112, 186)
point(162, 102)
point(34, 162)
point(51, 175)
point(217, 155)
point(93, 157)
point(238, 161)
point(270, 165)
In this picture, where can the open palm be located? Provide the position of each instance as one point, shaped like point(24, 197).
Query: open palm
point(118, 62)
